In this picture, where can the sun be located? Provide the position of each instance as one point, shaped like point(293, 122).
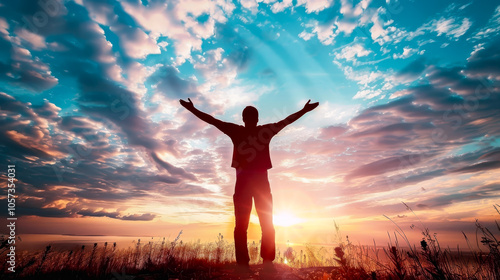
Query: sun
point(281, 219)
point(286, 219)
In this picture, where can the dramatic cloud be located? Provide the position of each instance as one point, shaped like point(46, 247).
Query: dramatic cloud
point(179, 21)
point(24, 70)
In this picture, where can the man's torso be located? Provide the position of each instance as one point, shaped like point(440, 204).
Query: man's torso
point(251, 146)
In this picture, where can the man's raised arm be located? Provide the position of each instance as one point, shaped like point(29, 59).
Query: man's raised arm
point(295, 116)
point(201, 115)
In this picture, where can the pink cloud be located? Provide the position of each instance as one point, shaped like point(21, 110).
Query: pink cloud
point(176, 22)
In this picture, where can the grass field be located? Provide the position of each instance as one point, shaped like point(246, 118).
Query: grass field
point(175, 259)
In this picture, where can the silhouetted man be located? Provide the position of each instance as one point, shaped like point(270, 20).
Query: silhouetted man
point(251, 160)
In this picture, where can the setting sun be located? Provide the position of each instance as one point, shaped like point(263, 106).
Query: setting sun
point(286, 219)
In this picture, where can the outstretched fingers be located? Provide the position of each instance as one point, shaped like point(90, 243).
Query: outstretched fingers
point(186, 104)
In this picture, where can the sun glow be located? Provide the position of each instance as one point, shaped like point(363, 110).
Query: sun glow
point(286, 219)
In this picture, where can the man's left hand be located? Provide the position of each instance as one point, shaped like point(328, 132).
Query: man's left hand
point(310, 106)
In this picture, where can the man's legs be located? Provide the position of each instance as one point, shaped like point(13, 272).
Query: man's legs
point(242, 209)
point(264, 207)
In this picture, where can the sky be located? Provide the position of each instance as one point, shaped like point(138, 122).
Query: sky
point(409, 112)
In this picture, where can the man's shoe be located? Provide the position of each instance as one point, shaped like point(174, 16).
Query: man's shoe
point(243, 269)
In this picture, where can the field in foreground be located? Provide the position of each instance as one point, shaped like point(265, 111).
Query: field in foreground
point(175, 259)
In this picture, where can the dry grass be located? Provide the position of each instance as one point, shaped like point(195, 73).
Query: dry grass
point(195, 260)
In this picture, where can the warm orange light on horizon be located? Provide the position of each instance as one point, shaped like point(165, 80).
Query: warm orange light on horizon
point(281, 219)
point(286, 219)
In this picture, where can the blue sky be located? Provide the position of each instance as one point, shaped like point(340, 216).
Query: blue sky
point(408, 94)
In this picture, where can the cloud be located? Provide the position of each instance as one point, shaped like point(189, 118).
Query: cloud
point(367, 94)
point(494, 154)
point(21, 68)
point(350, 53)
point(89, 58)
point(383, 166)
point(25, 130)
point(491, 28)
point(34, 40)
point(311, 6)
point(450, 27)
point(135, 43)
point(138, 217)
point(419, 137)
point(178, 21)
point(280, 6)
point(172, 169)
point(484, 62)
point(219, 70)
point(362, 77)
point(477, 193)
point(167, 82)
point(372, 83)
point(3, 27)
point(332, 131)
point(479, 167)
point(324, 32)
point(353, 16)
point(407, 52)
point(240, 51)
point(117, 215)
point(412, 71)
point(252, 5)
point(314, 6)
point(106, 100)
point(377, 30)
point(58, 160)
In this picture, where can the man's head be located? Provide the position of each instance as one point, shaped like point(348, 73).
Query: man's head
point(250, 116)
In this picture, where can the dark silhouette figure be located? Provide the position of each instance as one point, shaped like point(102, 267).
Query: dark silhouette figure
point(251, 159)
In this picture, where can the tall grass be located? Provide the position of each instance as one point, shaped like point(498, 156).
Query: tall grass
point(169, 259)
point(176, 259)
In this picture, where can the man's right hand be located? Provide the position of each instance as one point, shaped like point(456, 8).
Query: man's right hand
point(187, 104)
